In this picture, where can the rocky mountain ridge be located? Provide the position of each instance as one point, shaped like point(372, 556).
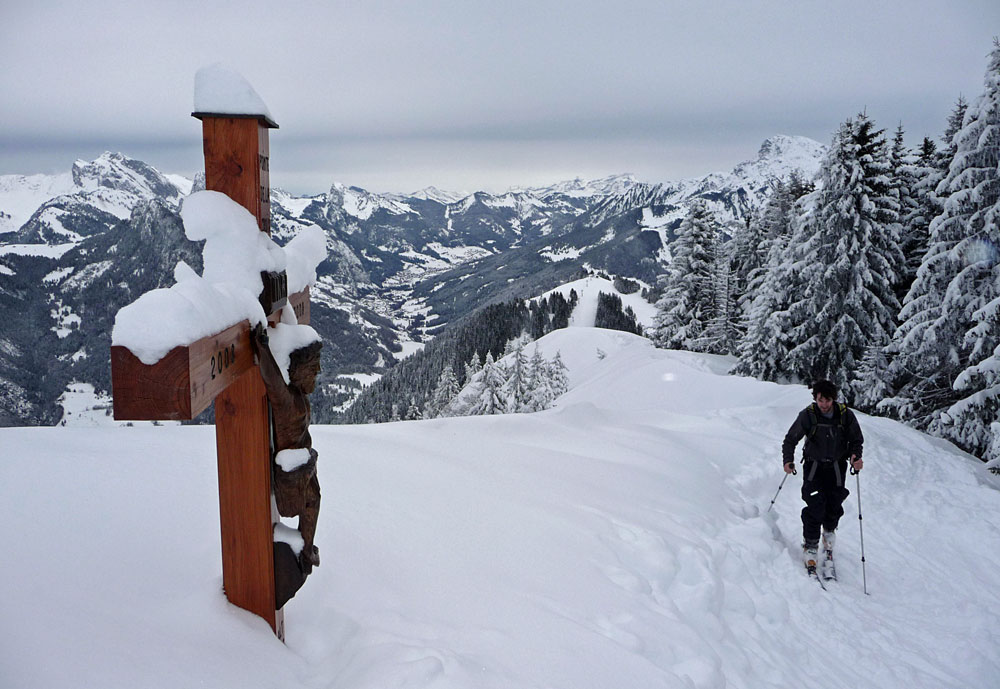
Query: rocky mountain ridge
point(400, 266)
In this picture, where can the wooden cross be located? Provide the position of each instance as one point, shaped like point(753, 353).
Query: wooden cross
point(221, 367)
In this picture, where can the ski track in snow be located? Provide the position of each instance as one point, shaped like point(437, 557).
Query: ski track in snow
point(617, 540)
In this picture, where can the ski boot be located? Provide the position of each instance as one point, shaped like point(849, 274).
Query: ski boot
point(810, 555)
point(829, 571)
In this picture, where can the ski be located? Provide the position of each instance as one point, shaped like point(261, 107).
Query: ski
point(814, 575)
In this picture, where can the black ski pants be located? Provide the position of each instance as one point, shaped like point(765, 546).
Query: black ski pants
point(824, 494)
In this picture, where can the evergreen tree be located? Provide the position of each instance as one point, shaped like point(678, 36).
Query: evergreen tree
point(490, 400)
point(559, 381)
point(948, 147)
point(722, 334)
point(539, 318)
point(472, 367)
point(612, 316)
point(444, 392)
point(763, 302)
point(539, 394)
point(918, 210)
point(799, 186)
point(764, 349)
point(870, 386)
point(684, 310)
point(851, 260)
point(972, 215)
point(902, 180)
point(752, 246)
point(943, 313)
point(515, 388)
point(413, 411)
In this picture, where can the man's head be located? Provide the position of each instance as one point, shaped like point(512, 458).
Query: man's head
point(825, 394)
point(303, 366)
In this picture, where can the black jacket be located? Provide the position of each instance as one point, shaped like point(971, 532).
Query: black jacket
point(827, 440)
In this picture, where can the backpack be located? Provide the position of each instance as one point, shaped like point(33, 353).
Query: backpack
point(814, 418)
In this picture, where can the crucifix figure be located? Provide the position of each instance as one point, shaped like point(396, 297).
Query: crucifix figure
point(294, 482)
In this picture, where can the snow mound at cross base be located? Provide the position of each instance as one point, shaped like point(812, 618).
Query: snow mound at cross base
point(616, 540)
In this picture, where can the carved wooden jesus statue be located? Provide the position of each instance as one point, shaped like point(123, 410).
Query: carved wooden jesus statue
point(295, 485)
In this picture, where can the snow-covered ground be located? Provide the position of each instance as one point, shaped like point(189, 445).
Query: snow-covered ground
point(617, 540)
point(589, 288)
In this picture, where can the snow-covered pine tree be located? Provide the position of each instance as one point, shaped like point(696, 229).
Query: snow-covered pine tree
point(444, 391)
point(539, 395)
point(973, 294)
point(948, 147)
point(413, 411)
point(922, 363)
point(472, 367)
point(918, 210)
point(762, 295)
point(749, 260)
point(851, 261)
point(491, 400)
point(687, 303)
point(515, 387)
point(902, 180)
point(945, 318)
point(870, 385)
point(558, 379)
point(799, 185)
point(722, 334)
point(764, 349)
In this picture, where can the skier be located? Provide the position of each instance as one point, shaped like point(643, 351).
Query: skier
point(833, 438)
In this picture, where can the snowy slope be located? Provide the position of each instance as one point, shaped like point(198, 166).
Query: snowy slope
point(617, 540)
point(588, 289)
point(21, 195)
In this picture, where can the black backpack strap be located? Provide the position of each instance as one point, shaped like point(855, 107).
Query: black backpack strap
point(813, 421)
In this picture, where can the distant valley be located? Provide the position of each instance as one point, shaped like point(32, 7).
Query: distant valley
point(74, 248)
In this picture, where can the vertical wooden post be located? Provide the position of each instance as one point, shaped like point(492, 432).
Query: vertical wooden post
point(243, 443)
point(236, 164)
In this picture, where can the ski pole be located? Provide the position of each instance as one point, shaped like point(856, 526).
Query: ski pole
point(861, 526)
point(779, 490)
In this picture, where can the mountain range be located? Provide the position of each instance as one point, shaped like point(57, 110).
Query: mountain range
point(76, 247)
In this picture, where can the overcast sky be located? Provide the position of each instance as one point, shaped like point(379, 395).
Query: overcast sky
point(466, 95)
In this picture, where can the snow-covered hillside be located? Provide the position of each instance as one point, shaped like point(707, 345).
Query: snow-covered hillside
point(588, 289)
point(617, 540)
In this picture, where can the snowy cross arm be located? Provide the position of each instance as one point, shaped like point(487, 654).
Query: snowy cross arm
point(182, 384)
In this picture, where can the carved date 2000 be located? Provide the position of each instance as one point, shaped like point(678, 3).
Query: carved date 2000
point(223, 359)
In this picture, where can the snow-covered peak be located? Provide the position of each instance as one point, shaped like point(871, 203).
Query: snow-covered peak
point(581, 188)
point(733, 195)
point(434, 194)
point(779, 156)
point(783, 146)
point(112, 183)
point(118, 171)
point(21, 196)
point(363, 204)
